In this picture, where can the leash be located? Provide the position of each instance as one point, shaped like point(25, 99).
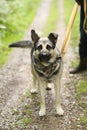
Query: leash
point(69, 28)
point(85, 12)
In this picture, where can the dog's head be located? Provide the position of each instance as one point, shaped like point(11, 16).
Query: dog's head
point(44, 48)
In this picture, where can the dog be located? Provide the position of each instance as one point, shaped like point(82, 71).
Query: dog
point(46, 66)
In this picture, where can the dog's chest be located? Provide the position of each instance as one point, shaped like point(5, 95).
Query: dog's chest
point(47, 72)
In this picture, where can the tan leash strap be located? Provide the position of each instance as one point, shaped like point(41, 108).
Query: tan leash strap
point(69, 28)
point(85, 12)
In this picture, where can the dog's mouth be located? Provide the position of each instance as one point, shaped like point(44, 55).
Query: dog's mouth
point(44, 57)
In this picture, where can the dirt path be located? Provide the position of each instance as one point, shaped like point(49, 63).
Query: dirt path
point(16, 79)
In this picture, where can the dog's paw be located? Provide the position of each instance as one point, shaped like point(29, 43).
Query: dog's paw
point(60, 111)
point(42, 112)
point(33, 91)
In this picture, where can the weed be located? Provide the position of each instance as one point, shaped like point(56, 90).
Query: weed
point(15, 111)
point(27, 94)
point(25, 122)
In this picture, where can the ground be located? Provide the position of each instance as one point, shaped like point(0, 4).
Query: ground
point(18, 108)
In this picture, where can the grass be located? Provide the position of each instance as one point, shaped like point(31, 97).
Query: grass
point(18, 22)
point(83, 121)
point(52, 20)
point(81, 84)
point(82, 87)
point(81, 90)
point(23, 113)
point(75, 29)
point(74, 63)
point(25, 122)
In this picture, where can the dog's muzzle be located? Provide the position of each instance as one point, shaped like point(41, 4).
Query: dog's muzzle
point(44, 57)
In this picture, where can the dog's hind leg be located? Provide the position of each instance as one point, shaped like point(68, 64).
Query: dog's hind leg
point(57, 85)
point(42, 85)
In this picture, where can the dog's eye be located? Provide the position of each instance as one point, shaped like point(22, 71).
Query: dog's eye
point(39, 47)
point(48, 47)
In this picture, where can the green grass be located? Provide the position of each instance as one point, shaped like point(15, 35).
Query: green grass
point(83, 121)
point(52, 20)
point(16, 25)
point(25, 122)
point(23, 113)
point(68, 9)
point(75, 30)
point(81, 90)
point(74, 63)
point(82, 87)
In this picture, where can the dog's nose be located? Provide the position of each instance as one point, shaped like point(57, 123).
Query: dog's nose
point(44, 56)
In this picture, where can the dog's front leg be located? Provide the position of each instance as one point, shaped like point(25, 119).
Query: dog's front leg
point(42, 86)
point(57, 85)
point(34, 86)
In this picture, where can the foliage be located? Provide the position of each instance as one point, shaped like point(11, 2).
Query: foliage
point(15, 18)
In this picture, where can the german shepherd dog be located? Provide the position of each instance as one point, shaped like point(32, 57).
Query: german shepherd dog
point(46, 66)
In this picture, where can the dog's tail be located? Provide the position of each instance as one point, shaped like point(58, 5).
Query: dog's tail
point(22, 44)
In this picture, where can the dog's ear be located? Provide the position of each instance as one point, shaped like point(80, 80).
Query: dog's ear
point(34, 36)
point(53, 37)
